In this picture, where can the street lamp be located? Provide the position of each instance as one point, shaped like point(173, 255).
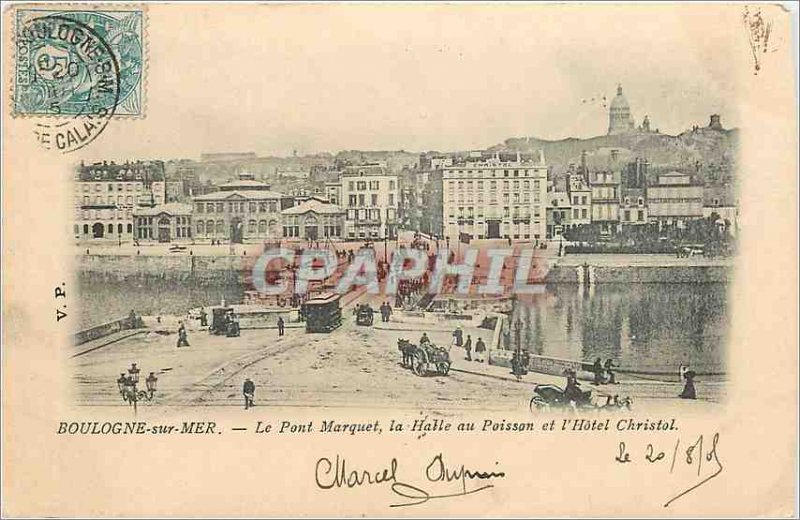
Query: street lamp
point(133, 373)
point(127, 386)
point(151, 383)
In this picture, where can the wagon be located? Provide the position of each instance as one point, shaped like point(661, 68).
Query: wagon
point(364, 315)
point(322, 313)
point(424, 359)
point(224, 321)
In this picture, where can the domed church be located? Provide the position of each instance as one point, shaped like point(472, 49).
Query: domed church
point(620, 120)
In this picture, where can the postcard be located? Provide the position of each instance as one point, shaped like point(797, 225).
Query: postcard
point(399, 260)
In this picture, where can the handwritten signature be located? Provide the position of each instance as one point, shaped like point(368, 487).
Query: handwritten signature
point(695, 454)
point(336, 474)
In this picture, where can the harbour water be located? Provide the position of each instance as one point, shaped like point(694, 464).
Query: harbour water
point(646, 327)
point(643, 327)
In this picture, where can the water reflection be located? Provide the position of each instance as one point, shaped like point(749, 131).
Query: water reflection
point(104, 300)
point(644, 326)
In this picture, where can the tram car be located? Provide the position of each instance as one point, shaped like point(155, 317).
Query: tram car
point(322, 313)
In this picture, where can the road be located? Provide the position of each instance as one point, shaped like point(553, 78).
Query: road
point(353, 367)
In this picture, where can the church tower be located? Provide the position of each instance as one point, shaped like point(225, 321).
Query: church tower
point(620, 120)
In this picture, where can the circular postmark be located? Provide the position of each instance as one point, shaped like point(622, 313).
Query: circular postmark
point(68, 75)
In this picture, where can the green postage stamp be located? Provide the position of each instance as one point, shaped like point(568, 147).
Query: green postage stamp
point(84, 61)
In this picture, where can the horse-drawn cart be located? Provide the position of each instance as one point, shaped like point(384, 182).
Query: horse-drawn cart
point(424, 358)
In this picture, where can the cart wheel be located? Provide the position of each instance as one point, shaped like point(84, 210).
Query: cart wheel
point(538, 404)
point(419, 367)
point(443, 368)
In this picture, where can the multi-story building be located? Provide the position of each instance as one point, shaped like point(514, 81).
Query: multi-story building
point(244, 209)
point(605, 187)
point(106, 195)
point(491, 198)
point(721, 199)
point(674, 200)
point(559, 213)
point(580, 195)
point(313, 220)
point(370, 196)
point(164, 223)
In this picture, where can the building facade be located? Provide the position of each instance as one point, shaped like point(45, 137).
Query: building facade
point(241, 210)
point(370, 196)
point(580, 195)
point(313, 220)
point(107, 194)
point(674, 200)
point(559, 213)
point(605, 187)
point(164, 223)
point(495, 199)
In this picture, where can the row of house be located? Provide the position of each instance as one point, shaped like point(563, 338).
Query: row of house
point(481, 196)
point(130, 202)
point(612, 200)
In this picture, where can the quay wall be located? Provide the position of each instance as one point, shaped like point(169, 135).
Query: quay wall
point(106, 329)
point(229, 268)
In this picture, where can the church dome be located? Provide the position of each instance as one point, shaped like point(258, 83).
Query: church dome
point(619, 101)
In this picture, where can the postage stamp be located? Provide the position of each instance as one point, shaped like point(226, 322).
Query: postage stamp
point(76, 63)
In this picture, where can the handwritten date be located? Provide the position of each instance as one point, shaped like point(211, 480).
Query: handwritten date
point(698, 455)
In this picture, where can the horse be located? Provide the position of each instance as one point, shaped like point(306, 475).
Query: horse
point(407, 349)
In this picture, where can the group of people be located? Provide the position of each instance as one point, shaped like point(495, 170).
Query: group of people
point(386, 311)
point(603, 373)
point(480, 346)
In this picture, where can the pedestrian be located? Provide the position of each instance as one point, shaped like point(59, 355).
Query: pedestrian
point(597, 369)
point(249, 391)
point(203, 317)
point(281, 325)
point(459, 335)
point(480, 349)
point(468, 348)
point(609, 364)
point(388, 311)
point(183, 340)
point(689, 391)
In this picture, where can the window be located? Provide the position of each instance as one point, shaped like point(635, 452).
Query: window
point(374, 199)
point(641, 215)
point(352, 201)
point(584, 213)
point(361, 185)
point(119, 187)
point(220, 227)
point(201, 227)
point(350, 185)
point(627, 215)
point(391, 199)
point(253, 207)
point(262, 227)
point(200, 207)
point(640, 201)
point(210, 227)
point(575, 213)
point(583, 200)
point(391, 185)
point(361, 200)
point(374, 185)
point(86, 229)
point(220, 207)
point(111, 228)
point(119, 228)
point(251, 226)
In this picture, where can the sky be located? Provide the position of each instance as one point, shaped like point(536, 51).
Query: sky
point(324, 78)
